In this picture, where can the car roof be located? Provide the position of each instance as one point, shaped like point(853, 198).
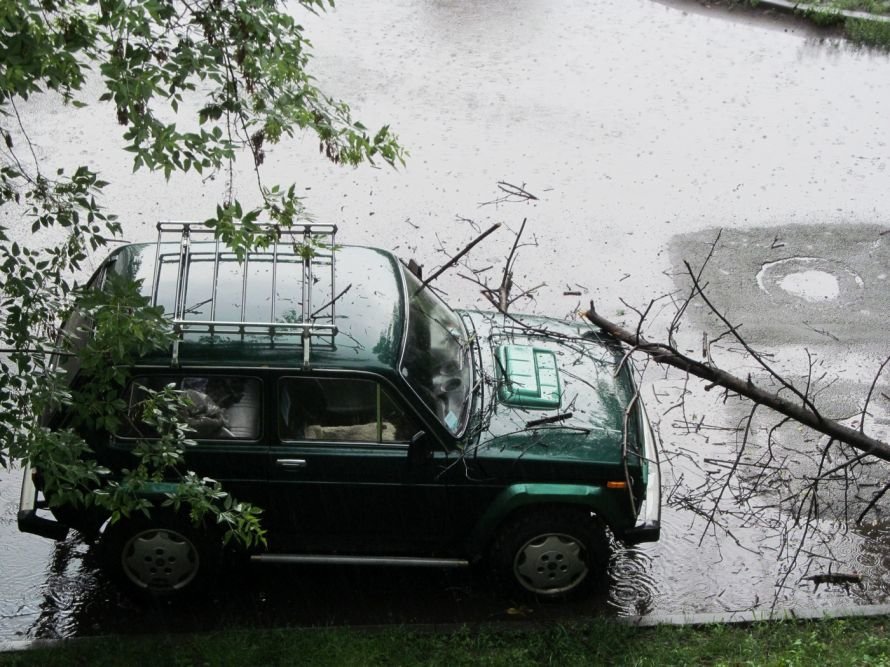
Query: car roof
point(365, 284)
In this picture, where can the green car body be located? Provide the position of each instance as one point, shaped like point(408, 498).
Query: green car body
point(406, 433)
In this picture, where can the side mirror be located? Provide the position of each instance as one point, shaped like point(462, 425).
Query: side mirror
point(416, 269)
point(419, 449)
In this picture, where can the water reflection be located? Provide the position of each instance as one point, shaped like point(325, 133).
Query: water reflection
point(78, 600)
point(634, 589)
point(68, 583)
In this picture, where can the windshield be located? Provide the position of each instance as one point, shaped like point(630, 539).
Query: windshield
point(437, 362)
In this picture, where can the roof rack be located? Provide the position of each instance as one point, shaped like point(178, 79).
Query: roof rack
point(191, 247)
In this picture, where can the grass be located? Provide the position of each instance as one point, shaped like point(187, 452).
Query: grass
point(826, 13)
point(870, 6)
point(870, 33)
point(861, 641)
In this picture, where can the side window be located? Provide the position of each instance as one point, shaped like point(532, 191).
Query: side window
point(220, 407)
point(335, 409)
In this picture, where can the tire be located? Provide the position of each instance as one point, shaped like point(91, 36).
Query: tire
point(164, 556)
point(553, 554)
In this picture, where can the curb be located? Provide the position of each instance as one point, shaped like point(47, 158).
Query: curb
point(14, 645)
point(799, 8)
point(754, 616)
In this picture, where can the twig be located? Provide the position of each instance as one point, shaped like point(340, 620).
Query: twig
point(732, 471)
point(515, 190)
point(331, 302)
point(514, 193)
point(679, 314)
point(874, 501)
point(822, 332)
point(453, 261)
point(868, 398)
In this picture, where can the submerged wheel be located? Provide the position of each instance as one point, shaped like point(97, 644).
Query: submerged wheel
point(159, 557)
point(554, 554)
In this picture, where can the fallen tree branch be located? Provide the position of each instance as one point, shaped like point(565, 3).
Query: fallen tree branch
point(664, 354)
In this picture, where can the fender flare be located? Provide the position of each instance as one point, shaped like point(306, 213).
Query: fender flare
point(608, 504)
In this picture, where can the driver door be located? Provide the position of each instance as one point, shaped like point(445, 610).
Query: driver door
point(340, 479)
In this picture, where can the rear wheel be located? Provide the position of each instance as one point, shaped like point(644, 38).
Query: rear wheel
point(161, 556)
point(558, 553)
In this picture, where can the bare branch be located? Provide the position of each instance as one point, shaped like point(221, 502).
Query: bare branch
point(870, 391)
point(514, 193)
point(672, 329)
point(873, 502)
point(453, 261)
point(754, 354)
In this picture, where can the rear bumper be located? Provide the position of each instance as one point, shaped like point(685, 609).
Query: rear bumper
point(648, 527)
point(29, 519)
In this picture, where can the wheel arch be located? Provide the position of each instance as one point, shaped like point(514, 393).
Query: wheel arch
point(155, 493)
point(608, 505)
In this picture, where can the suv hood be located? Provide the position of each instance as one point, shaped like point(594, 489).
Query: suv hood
point(553, 391)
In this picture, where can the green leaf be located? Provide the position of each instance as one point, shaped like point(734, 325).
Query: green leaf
point(244, 67)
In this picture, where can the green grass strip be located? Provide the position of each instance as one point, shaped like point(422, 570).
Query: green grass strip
point(870, 33)
point(859, 641)
point(870, 6)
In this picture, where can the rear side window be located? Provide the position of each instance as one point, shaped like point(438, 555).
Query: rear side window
point(221, 407)
point(335, 409)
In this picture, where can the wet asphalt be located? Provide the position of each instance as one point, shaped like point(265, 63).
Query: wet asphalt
point(643, 128)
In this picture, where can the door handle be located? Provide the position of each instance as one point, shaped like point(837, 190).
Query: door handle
point(290, 463)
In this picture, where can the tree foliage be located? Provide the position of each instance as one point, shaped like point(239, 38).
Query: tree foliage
point(193, 84)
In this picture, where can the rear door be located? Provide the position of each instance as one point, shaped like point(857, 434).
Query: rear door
point(225, 416)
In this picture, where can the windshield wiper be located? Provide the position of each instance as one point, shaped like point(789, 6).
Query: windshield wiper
point(549, 420)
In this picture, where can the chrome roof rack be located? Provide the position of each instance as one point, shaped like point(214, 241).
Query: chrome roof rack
point(306, 251)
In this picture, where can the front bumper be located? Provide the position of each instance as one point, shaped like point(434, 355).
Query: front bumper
point(29, 520)
point(648, 527)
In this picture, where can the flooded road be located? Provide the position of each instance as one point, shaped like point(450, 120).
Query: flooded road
point(642, 127)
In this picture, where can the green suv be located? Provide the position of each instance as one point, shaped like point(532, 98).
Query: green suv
point(374, 424)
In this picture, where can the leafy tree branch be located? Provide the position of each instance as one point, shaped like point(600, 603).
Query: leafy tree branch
point(193, 84)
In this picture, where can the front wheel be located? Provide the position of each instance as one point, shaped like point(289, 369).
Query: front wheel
point(559, 553)
point(161, 556)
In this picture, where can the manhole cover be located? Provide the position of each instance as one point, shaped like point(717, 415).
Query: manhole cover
point(811, 286)
point(814, 280)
